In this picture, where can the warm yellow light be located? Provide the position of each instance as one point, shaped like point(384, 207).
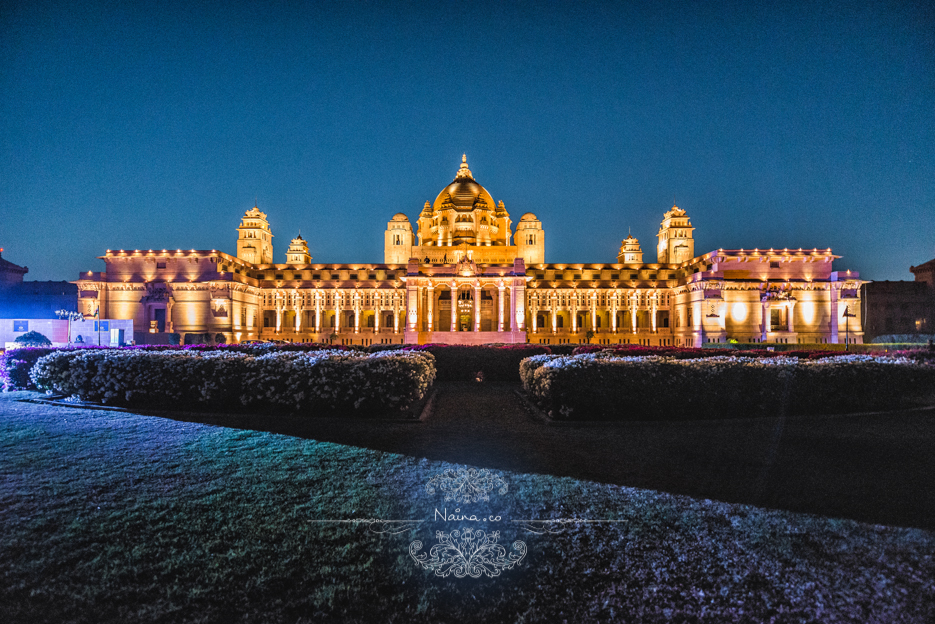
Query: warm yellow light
point(808, 311)
point(738, 312)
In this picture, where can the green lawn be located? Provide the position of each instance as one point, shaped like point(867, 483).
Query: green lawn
point(114, 517)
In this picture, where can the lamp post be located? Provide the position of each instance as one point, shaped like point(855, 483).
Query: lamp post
point(69, 316)
point(847, 329)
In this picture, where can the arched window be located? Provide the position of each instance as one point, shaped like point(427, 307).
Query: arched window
point(559, 321)
point(540, 320)
point(597, 321)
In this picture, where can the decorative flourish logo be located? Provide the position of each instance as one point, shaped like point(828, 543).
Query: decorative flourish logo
point(466, 485)
point(378, 525)
point(467, 553)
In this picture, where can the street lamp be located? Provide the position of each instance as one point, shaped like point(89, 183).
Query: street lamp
point(69, 316)
point(847, 329)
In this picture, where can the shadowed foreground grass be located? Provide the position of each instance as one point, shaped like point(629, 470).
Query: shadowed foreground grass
point(113, 517)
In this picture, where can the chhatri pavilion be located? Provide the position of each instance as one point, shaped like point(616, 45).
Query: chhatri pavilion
point(465, 276)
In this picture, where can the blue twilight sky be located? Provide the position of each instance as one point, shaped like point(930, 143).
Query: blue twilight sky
point(129, 125)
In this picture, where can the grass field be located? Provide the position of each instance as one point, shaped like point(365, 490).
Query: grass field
point(115, 517)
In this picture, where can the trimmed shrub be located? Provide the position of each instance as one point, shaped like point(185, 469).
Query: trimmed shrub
point(219, 339)
point(305, 383)
point(463, 362)
point(16, 364)
point(688, 353)
point(376, 348)
point(602, 386)
point(33, 339)
point(175, 339)
point(196, 339)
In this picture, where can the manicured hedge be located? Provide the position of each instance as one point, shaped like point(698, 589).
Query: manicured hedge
point(306, 383)
point(463, 362)
point(15, 364)
point(602, 386)
point(688, 353)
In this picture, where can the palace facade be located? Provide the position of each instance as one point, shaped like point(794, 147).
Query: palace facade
point(464, 276)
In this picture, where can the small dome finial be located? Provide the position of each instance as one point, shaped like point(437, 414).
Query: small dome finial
point(463, 171)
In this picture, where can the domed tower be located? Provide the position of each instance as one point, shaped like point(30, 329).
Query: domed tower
point(298, 251)
point(397, 242)
point(530, 239)
point(630, 252)
point(254, 238)
point(675, 238)
point(464, 213)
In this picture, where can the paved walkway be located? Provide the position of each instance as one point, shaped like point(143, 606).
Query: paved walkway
point(876, 468)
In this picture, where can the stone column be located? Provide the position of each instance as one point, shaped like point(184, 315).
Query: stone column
point(553, 299)
point(429, 308)
point(594, 311)
point(412, 306)
point(454, 306)
point(574, 312)
point(278, 304)
point(500, 289)
point(376, 311)
point(789, 322)
point(317, 312)
point(835, 314)
point(296, 302)
point(654, 300)
point(613, 311)
point(337, 312)
point(356, 312)
point(634, 306)
point(395, 312)
point(767, 321)
point(477, 307)
point(513, 308)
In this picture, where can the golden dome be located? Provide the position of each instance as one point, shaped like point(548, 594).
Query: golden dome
point(400, 217)
point(464, 193)
point(528, 217)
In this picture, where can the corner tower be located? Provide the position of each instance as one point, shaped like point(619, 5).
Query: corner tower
point(530, 239)
point(675, 244)
point(630, 252)
point(254, 238)
point(298, 251)
point(397, 241)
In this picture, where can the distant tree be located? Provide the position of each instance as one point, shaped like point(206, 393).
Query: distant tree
point(33, 339)
point(589, 334)
point(220, 339)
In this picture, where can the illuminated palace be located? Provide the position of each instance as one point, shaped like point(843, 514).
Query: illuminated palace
point(464, 275)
